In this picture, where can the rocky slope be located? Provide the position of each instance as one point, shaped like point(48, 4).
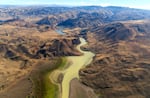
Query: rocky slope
point(121, 66)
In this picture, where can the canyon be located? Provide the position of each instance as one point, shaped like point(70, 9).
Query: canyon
point(43, 48)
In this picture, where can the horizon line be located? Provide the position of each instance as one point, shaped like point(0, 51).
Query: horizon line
point(68, 5)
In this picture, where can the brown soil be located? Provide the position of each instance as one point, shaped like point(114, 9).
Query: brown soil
point(20, 89)
point(78, 90)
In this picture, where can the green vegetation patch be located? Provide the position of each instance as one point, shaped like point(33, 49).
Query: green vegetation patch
point(40, 77)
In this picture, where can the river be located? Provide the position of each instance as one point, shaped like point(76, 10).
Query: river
point(77, 62)
point(59, 30)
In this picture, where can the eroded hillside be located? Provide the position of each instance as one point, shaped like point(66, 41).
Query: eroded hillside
point(121, 66)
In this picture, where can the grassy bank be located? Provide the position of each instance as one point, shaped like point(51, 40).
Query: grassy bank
point(43, 87)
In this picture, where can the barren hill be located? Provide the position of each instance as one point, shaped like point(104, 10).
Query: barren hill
point(121, 66)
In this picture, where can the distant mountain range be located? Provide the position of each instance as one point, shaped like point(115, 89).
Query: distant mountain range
point(72, 16)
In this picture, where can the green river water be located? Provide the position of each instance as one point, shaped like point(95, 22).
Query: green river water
point(72, 71)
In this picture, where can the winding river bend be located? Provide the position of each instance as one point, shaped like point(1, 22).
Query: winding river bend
point(72, 71)
point(77, 62)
